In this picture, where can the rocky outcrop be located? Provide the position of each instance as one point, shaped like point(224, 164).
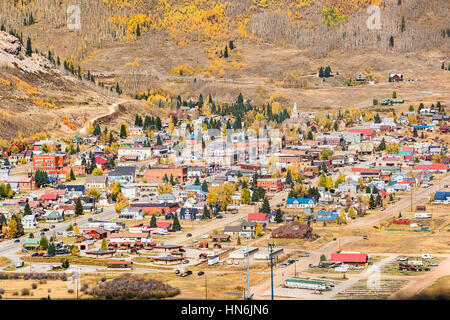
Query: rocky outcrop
point(12, 54)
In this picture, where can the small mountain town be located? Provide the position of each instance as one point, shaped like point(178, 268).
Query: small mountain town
point(211, 152)
point(329, 204)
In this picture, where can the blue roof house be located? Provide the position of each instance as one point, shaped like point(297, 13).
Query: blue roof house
point(326, 215)
point(300, 203)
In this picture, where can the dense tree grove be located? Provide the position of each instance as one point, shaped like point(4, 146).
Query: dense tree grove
point(130, 286)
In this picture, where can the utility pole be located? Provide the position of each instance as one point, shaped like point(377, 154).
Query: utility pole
point(78, 281)
point(249, 297)
point(206, 288)
point(295, 268)
point(411, 200)
point(270, 248)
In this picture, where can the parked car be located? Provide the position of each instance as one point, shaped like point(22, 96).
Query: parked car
point(90, 219)
point(189, 235)
point(334, 239)
point(205, 236)
point(365, 238)
point(52, 226)
point(186, 261)
point(445, 185)
point(35, 254)
point(177, 271)
point(432, 264)
point(303, 255)
point(194, 241)
point(283, 265)
point(17, 240)
point(200, 273)
point(401, 259)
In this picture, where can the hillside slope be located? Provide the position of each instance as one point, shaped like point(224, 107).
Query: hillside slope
point(37, 98)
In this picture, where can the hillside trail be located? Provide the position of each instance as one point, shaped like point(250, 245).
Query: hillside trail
point(111, 110)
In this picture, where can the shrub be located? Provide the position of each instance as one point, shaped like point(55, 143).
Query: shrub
point(34, 286)
point(70, 291)
point(128, 286)
point(25, 292)
point(2, 291)
point(15, 293)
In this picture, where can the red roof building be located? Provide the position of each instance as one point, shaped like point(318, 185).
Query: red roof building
point(164, 224)
point(433, 167)
point(367, 133)
point(49, 196)
point(258, 217)
point(349, 258)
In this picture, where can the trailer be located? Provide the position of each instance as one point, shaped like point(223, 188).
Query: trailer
point(212, 259)
point(425, 215)
point(306, 284)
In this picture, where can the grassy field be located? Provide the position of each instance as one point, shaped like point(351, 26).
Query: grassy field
point(72, 260)
point(392, 267)
point(58, 289)
point(439, 290)
point(400, 242)
point(4, 261)
point(220, 285)
point(13, 267)
point(362, 291)
point(142, 259)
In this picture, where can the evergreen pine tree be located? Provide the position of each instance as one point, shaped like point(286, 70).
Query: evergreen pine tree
point(321, 73)
point(29, 50)
point(153, 221)
point(72, 175)
point(176, 223)
point(123, 131)
point(279, 216)
point(372, 204)
point(27, 209)
point(78, 208)
point(265, 206)
point(204, 186)
point(289, 177)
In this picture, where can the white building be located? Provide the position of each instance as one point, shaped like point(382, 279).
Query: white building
point(4, 174)
point(29, 222)
point(130, 237)
point(131, 214)
point(242, 252)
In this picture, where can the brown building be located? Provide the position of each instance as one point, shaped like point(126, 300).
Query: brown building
point(51, 161)
point(156, 174)
point(270, 184)
point(293, 229)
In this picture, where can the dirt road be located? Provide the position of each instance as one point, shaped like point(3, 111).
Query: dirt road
point(112, 109)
